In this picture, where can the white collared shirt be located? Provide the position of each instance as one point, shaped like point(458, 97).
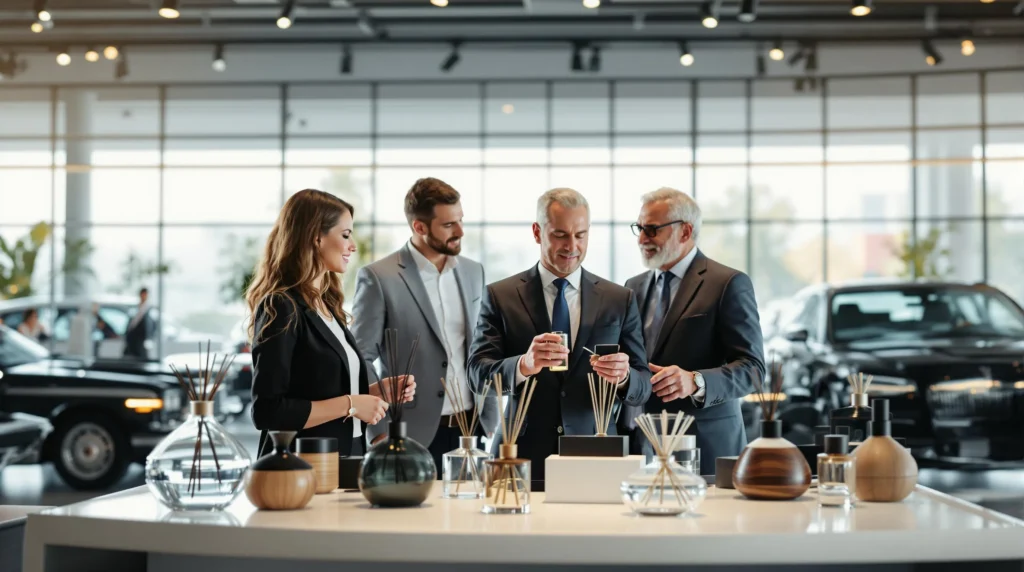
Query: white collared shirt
point(446, 301)
point(678, 272)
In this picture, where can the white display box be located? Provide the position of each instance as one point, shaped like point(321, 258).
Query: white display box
point(594, 480)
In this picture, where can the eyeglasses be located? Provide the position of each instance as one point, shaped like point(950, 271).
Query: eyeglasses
point(651, 230)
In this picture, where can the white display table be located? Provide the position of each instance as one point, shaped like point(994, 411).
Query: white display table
point(132, 531)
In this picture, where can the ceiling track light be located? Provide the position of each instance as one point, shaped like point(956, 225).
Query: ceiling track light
point(595, 59)
point(685, 56)
point(591, 4)
point(366, 25)
point(967, 47)
point(284, 21)
point(346, 59)
point(861, 7)
point(801, 53)
point(121, 67)
point(812, 60)
point(777, 53)
point(91, 55)
point(39, 8)
point(453, 58)
point(709, 14)
point(111, 52)
point(748, 11)
point(932, 56)
point(219, 63)
point(63, 57)
point(169, 9)
point(37, 27)
point(577, 57)
point(439, 3)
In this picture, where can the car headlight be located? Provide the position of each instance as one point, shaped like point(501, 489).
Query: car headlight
point(172, 400)
point(885, 386)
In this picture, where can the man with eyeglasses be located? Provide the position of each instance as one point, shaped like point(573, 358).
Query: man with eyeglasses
point(701, 329)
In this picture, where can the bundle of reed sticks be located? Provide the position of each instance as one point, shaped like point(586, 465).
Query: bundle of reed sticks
point(665, 443)
point(505, 472)
point(202, 388)
point(860, 382)
point(770, 400)
point(393, 390)
point(467, 424)
point(602, 399)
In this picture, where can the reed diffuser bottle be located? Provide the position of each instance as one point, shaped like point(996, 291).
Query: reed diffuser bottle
point(507, 478)
point(663, 487)
point(836, 473)
point(199, 465)
point(398, 471)
point(770, 467)
point(463, 468)
point(857, 417)
point(886, 471)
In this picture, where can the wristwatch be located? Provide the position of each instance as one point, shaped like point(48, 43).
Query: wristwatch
point(699, 380)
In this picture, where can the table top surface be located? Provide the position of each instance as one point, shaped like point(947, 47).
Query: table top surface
point(926, 521)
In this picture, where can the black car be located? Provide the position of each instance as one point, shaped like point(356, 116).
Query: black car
point(102, 419)
point(950, 357)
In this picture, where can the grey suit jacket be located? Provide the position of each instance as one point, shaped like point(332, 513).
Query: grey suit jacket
point(391, 294)
point(514, 312)
point(712, 327)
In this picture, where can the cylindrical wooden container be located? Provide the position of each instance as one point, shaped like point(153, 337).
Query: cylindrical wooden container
point(322, 454)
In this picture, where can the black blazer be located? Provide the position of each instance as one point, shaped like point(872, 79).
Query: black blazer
point(295, 366)
point(513, 312)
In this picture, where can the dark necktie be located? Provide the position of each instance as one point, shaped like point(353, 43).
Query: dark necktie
point(661, 306)
point(560, 311)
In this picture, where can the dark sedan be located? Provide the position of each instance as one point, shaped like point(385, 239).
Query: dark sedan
point(948, 356)
point(102, 419)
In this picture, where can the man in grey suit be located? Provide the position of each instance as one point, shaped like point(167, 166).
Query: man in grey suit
point(426, 288)
point(702, 332)
point(518, 315)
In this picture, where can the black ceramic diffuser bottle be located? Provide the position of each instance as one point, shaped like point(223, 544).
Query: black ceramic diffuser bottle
point(398, 471)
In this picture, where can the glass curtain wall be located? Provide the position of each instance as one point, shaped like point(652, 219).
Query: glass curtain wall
point(176, 187)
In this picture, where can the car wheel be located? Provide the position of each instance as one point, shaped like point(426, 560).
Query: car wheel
point(90, 452)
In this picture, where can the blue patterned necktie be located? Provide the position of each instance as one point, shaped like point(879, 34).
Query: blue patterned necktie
point(660, 310)
point(560, 311)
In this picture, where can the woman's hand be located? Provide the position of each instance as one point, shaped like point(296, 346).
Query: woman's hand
point(369, 408)
point(410, 387)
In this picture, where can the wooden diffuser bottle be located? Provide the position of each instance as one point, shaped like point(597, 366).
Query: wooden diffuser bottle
point(886, 471)
point(770, 467)
point(281, 480)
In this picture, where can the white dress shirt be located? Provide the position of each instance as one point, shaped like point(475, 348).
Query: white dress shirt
point(446, 300)
point(572, 299)
point(353, 365)
point(678, 272)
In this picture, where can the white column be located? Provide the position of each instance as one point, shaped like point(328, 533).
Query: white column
point(78, 116)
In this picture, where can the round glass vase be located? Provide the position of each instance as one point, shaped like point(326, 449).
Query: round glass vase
point(199, 465)
point(463, 471)
point(663, 488)
point(507, 483)
point(397, 471)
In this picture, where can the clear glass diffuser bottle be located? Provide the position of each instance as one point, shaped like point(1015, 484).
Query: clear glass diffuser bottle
point(464, 470)
point(836, 473)
point(663, 488)
point(507, 483)
point(199, 465)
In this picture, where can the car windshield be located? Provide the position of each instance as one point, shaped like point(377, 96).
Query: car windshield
point(917, 313)
point(17, 349)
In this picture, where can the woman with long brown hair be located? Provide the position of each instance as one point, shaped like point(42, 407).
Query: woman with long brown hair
point(307, 371)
